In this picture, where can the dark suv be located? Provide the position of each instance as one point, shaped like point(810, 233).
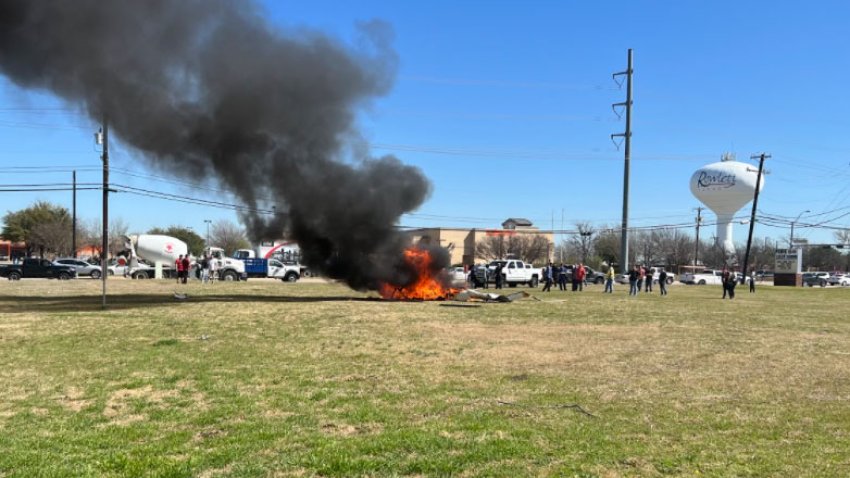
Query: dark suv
point(591, 276)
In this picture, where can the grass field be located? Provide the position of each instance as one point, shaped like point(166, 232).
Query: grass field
point(313, 379)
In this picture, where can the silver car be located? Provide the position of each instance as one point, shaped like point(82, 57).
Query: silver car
point(83, 268)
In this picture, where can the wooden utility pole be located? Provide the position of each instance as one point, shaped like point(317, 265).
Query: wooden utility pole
point(104, 253)
point(761, 157)
point(696, 246)
point(74, 215)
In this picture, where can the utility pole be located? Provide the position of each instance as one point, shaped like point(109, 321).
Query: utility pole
point(74, 215)
point(104, 137)
point(791, 240)
point(561, 236)
point(761, 157)
point(208, 221)
point(627, 135)
point(696, 246)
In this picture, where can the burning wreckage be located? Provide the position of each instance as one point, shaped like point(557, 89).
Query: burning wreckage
point(430, 281)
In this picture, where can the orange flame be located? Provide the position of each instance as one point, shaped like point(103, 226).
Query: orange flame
point(426, 287)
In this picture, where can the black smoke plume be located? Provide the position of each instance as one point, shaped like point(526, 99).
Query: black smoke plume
point(207, 88)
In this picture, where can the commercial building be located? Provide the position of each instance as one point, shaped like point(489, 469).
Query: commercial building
point(462, 242)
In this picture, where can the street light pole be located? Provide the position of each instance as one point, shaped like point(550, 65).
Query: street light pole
point(791, 241)
point(208, 230)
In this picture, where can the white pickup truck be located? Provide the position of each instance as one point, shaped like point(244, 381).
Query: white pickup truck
point(706, 276)
point(514, 272)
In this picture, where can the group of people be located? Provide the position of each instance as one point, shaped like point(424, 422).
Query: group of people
point(475, 281)
point(208, 268)
point(576, 274)
point(729, 280)
point(641, 277)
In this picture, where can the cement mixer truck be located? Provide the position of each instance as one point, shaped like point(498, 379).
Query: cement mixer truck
point(162, 251)
point(157, 250)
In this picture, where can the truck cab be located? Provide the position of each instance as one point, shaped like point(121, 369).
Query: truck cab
point(227, 268)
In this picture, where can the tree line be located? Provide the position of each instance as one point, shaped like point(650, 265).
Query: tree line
point(663, 246)
point(46, 229)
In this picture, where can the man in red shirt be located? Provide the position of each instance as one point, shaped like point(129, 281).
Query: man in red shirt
point(178, 265)
point(580, 274)
point(185, 268)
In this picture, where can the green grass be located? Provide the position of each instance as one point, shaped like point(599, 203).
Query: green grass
point(312, 379)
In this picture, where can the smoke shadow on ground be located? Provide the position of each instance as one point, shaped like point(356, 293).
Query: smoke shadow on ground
point(76, 303)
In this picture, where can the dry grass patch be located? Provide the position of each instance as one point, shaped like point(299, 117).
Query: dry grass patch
point(271, 379)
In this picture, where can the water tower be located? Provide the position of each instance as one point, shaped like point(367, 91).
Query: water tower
point(725, 187)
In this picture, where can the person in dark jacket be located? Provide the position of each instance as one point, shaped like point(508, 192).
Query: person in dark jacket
point(724, 281)
point(648, 280)
point(548, 272)
point(662, 281)
point(499, 276)
point(633, 280)
point(562, 277)
point(731, 283)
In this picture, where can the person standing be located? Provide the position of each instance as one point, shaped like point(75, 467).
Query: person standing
point(641, 273)
point(581, 272)
point(609, 280)
point(213, 269)
point(562, 277)
point(185, 268)
point(753, 280)
point(574, 277)
point(733, 281)
point(648, 280)
point(178, 266)
point(633, 280)
point(662, 281)
point(205, 269)
point(724, 280)
point(547, 276)
point(499, 276)
point(486, 272)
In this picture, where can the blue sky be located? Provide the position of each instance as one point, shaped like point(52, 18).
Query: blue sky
point(506, 107)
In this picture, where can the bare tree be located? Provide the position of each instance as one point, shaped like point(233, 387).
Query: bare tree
point(533, 248)
point(843, 236)
point(674, 247)
point(53, 237)
point(645, 245)
point(228, 236)
point(91, 235)
point(583, 240)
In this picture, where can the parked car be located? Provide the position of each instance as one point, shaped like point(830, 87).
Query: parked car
point(591, 276)
point(812, 279)
point(122, 269)
point(458, 275)
point(764, 275)
point(839, 279)
point(84, 269)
